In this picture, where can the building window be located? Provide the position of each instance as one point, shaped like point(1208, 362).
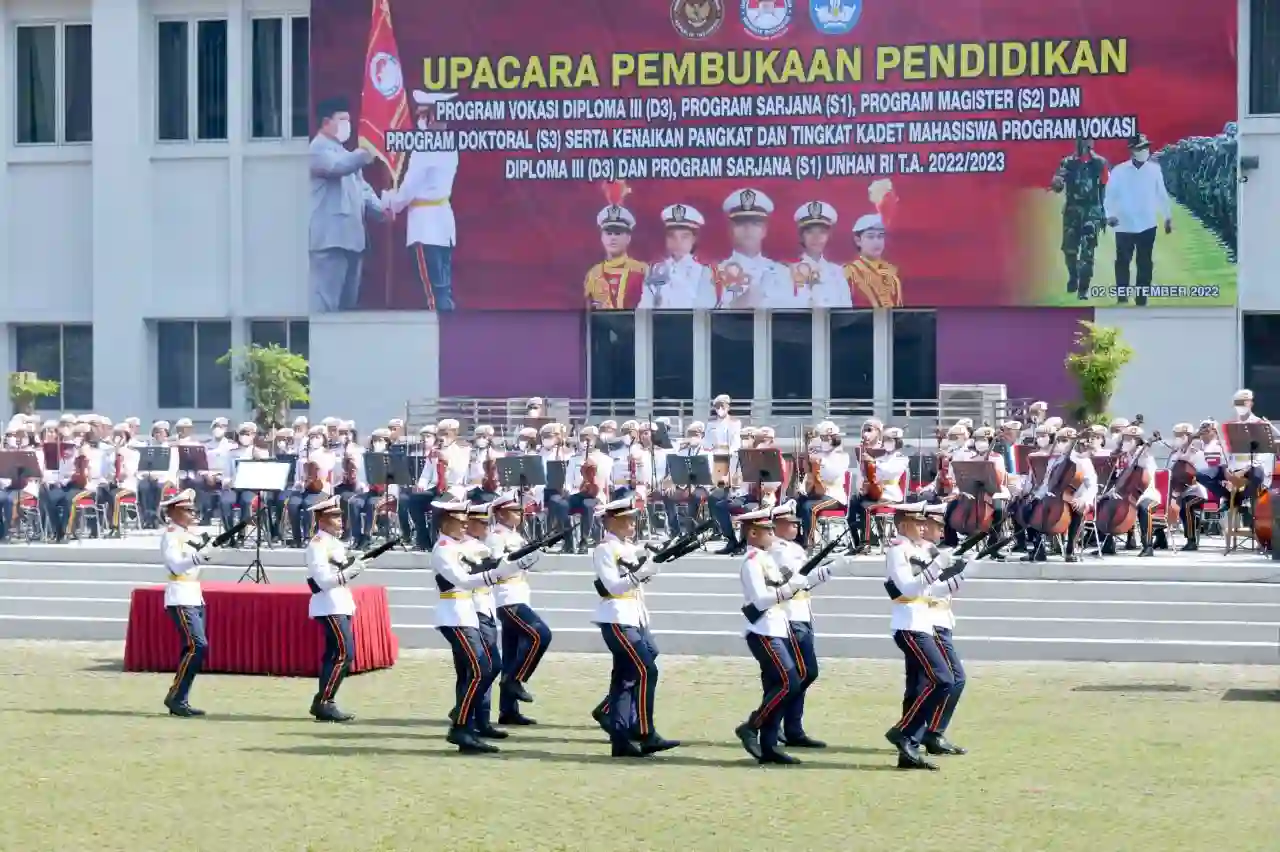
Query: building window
point(852, 341)
point(54, 82)
point(63, 353)
point(188, 374)
point(672, 363)
point(1264, 57)
point(281, 77)
point(1261, 333)
point(791, 363)
point(612, 362)
point(733, 345)
point(294, 335)
point(915, 362)
point(191, 56)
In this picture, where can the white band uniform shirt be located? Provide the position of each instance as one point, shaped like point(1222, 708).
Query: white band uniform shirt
point(625, 603)
point(679, 284)
point(911, 608)
point(890, 468)
point(764, 588)
point(183, 562)
point(325, 557)
point(456, 607)
point(832, 470)
point(790, 557)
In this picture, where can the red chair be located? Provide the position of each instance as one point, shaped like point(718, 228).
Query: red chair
point(829, 518)
point(882, 516)
point(83, 507)
point(28, 520)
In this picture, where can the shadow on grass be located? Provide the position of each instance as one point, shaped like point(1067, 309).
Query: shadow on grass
point(105, 665)
point(1240, 694)
point(261, 718)
point(1134, 688)
point(517, 733)
point(539, 756)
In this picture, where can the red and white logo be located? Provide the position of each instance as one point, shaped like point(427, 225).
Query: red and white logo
point(766, 19)
point(384, 73)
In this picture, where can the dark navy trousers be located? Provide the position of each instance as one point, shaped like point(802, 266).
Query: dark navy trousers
point(195, 647)
point(928, 681)
point(806, 660)
point(339, 653)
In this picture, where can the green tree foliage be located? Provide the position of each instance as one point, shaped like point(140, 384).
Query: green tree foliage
point(1096, 364)
point(274, 378)
point(25, 389)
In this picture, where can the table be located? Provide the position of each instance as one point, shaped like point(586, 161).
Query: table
point(257, 629)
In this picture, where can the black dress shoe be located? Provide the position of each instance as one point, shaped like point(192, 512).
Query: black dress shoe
point(730, 549)
point(185, 711)
point(489, 732)
point(469, 743)
point(329, 712)
point(1147, 551)
point(778, 757)
point(804, 741)
point(1190, 547)
point(654, 743)
point(517, 718)
point(517, 689)
point(602, 719)
point(1071, 557)
point(909, 758)
point(315, 706)
point(625, 748)
point(938, 744)
point(896, 737)
point(750, 739)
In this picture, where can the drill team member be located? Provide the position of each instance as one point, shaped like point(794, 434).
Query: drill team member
point(944, 625)
point(475, 552)
point(525, 636)
point(623, 620)
point(457, 620)
point(329, 570)
point(182, 597)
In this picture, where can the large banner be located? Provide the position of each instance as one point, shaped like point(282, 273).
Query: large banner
point(777, 154)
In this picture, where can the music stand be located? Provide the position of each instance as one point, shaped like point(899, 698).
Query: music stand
point(557, 473)
point(689, 471)
point(192, 458)
point(153, 460)
point(722, 472)
point(1259, 438)
point(761, 466)
point(386, 469)
point(977, 478)
point(521, 472)
point(262, 477)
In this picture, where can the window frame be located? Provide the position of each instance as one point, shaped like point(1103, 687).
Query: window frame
point(195, 364)
point(289, 323)
point(287, 95)
point(609, 405)
point(59, 83)
point(61, 404)
point(193, 78)
point(1254, 91)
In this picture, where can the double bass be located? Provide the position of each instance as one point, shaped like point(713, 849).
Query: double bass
point(1117, 509)
point(1052, 515)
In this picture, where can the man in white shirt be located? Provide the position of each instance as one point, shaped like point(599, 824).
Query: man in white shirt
point(183, 599)
point(431, 231)
point(1136, 203)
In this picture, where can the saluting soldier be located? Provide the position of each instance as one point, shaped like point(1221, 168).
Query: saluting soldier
point(747, 279)
point(680, 282)
point(329, 570)
point(183, 599)
point(617, 282)
point(815, 281)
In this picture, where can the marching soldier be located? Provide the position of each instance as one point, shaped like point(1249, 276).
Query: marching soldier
point(183, 600)
point(1082, 180)
point(747, 279)
point(944, 625)
point(623, 620)
point(790, 557)
point(616, 283)
point(911, 571)
point(329, 570)
point(815, 281)
point(680, 282)
point(525, 636)
point(475, 554)
point(1194, 495)
point(871, 276)
point(457, 620)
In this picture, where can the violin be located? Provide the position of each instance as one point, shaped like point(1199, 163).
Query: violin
point(817, 487)
point(313, 484)
point(490, 481)
point(589, 487)
point(349, 471)
point(80, 477)
point(1052, 515)
point(945, 482)
point(442, 467)
point(870, 485)
point(1117, 509)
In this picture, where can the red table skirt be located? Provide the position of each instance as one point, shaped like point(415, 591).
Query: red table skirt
point(256, 629)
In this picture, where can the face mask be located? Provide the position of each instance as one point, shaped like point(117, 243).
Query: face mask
point(1037, 418)
point(607, 436)
point(379, 446)
point(64, 432)
point(1242, 410)
point(585, 443)
point(245, 440)
point(344, 130)
point(722, 412)
point(1128, 446)
point(428, 440)
point(481, 443)
point(982, 446)
point(1141, 156)
point(10, 441)
point(549, 443)
point(524, 445)
point(344, 439)
point(316, 443)
point(282, 446)
point(826, 446)
point(627, 439)
point(890, 445)
point(218, 432)
point(695, 440)
point(1184, 442)
point(1062, 445)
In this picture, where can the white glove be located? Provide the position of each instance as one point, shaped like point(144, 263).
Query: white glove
point(647, 570)
point(798, 583)
point(351, 571)
point(819, 575)
point(526, 563)
point(503, 571)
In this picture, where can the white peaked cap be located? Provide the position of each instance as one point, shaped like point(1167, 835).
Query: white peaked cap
point(816, 213)
point(422, 98)
point(682, 216)
point(760, 517)
point(746, 203)
point(614, 216)
point(867, 222)
point(451, 507)
point(624, 506)
point(787, 509)
point(509, 500)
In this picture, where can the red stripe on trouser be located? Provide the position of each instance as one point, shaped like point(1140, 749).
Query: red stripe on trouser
point(767, 710)
point(928, 670)
point(464, 709)
point(942, 705)
point(642, 703)
point(533, 637)
point(186, 657)
point(795, 648)
point(426, 276)
point(339, 663)
point(1189, 518)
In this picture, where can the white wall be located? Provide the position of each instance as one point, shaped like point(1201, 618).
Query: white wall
point(367, 366)
point(1179, 372)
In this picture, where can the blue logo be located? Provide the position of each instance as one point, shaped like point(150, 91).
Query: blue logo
point(835, 17)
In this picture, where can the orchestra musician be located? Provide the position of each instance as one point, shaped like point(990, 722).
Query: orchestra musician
point(525, 636)
point(588, 482)
point(695, 497)
point(1026, 539)
point(151, 484)
point(301, 431)
point(311, 483)
point(457, 621)
point(1135, 449)
point(76, 477)
point(643, 461)
point(726, 503)
point(230, 499)
point(889, 474)
point(329, 571)
point(1245, 475)
point(983, 439)
point(1080, 503)
point(555, 452)
point(414, 504)
point(723, 430)
point(11, 490)
point(482, 482)
point(623, 473)
point(1010, 430)
point(475, 552)
point(623, 620)
point(347, 481)
point(825, 484)
point(209, 482)
point(1115, 433)
point(951, 449)
point(1190, 497)
point(183, 599)
point(119, 477)
point(363, 503)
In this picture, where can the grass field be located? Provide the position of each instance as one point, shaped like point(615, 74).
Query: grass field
point(1063, 757)
point(1190, 256)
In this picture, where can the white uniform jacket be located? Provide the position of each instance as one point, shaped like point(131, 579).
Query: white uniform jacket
point(183, 563)
point(790, 557)
point(474, 550)
point(456, 584)
point(625, 602)
point(940, 593)
point(762, 581)
point(515, 589)
point(678, 285)
point(833, 469)
point(427, 186)
point(1147, 462)
point(908, 579)
point(325, 558)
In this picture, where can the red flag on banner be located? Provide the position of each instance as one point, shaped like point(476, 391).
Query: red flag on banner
point(384, 105)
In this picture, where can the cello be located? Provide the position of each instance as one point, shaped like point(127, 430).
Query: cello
point(1052, 515)
point(1117, 510)
point(974, 513)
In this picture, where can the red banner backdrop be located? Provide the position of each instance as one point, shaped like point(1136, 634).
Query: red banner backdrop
point(949, 121)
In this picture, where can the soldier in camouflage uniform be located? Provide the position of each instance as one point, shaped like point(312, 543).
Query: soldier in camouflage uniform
point(1082, 178)
point(1201, 173)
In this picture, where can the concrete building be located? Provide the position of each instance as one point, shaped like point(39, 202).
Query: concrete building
point(149, 188)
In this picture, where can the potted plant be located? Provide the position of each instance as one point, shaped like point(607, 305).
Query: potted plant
point(274, 378)
point(1096, 364)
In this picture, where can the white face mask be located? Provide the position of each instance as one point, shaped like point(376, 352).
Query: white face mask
point(245, 440)
point(982, 446)
point(344, 130)
point(428, 440)
point(608, 436)
point(1141, 156)
point(549, 443)
point(379, 446)
point(282, 446)
point(10, 441)
point(316, 443)
point(826, 445)
point(481, 443)
point(722, 412)
point(1184, 441)
point(627, 439)
point(1062, 445)
point(218, 433)
point(523, 444)
point(889, 445)
point(1242, 411)
point(1128, 445)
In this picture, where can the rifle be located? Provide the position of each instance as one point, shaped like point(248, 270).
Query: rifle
point(223, 537)
point(549, 540)
point(629, 567)
point(351, 560)
point(753, 613)
point(683, 545)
